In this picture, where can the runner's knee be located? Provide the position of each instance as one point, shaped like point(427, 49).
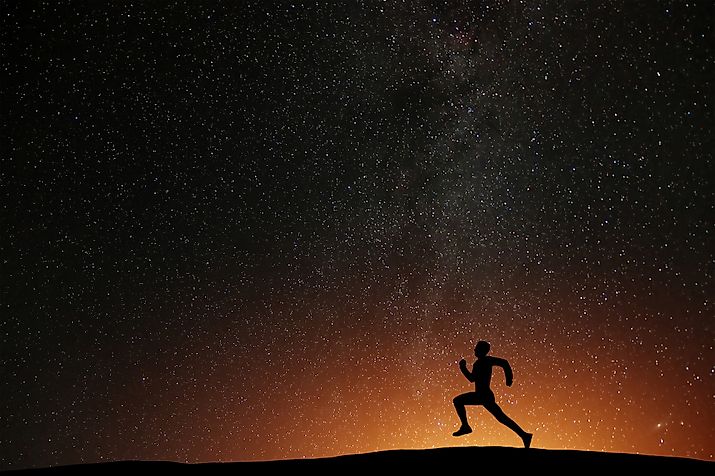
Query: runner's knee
point(495, 410)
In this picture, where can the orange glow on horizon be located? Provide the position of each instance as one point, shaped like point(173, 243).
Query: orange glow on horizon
point(573, 389)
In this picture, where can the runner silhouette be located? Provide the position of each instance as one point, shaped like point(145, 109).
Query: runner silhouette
point(481, 375)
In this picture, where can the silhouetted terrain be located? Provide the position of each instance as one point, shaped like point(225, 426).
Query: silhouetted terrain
point(469, 458)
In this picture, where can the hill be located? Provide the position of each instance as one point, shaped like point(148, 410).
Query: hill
point(471, 458)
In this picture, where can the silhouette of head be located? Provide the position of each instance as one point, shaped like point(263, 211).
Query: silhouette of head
point(482, 348)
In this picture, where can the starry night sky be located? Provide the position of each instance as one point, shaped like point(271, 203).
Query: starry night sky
point(258, 229)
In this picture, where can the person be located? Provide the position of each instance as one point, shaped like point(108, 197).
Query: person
point(481, 375)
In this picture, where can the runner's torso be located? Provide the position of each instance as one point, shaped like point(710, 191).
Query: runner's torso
point(482, 372)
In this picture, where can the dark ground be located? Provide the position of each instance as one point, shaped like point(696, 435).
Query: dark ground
point(474, 458)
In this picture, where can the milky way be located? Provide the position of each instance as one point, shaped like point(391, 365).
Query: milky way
point(257, 230)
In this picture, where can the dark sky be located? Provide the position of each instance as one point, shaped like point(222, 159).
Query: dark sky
point(250, 230)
